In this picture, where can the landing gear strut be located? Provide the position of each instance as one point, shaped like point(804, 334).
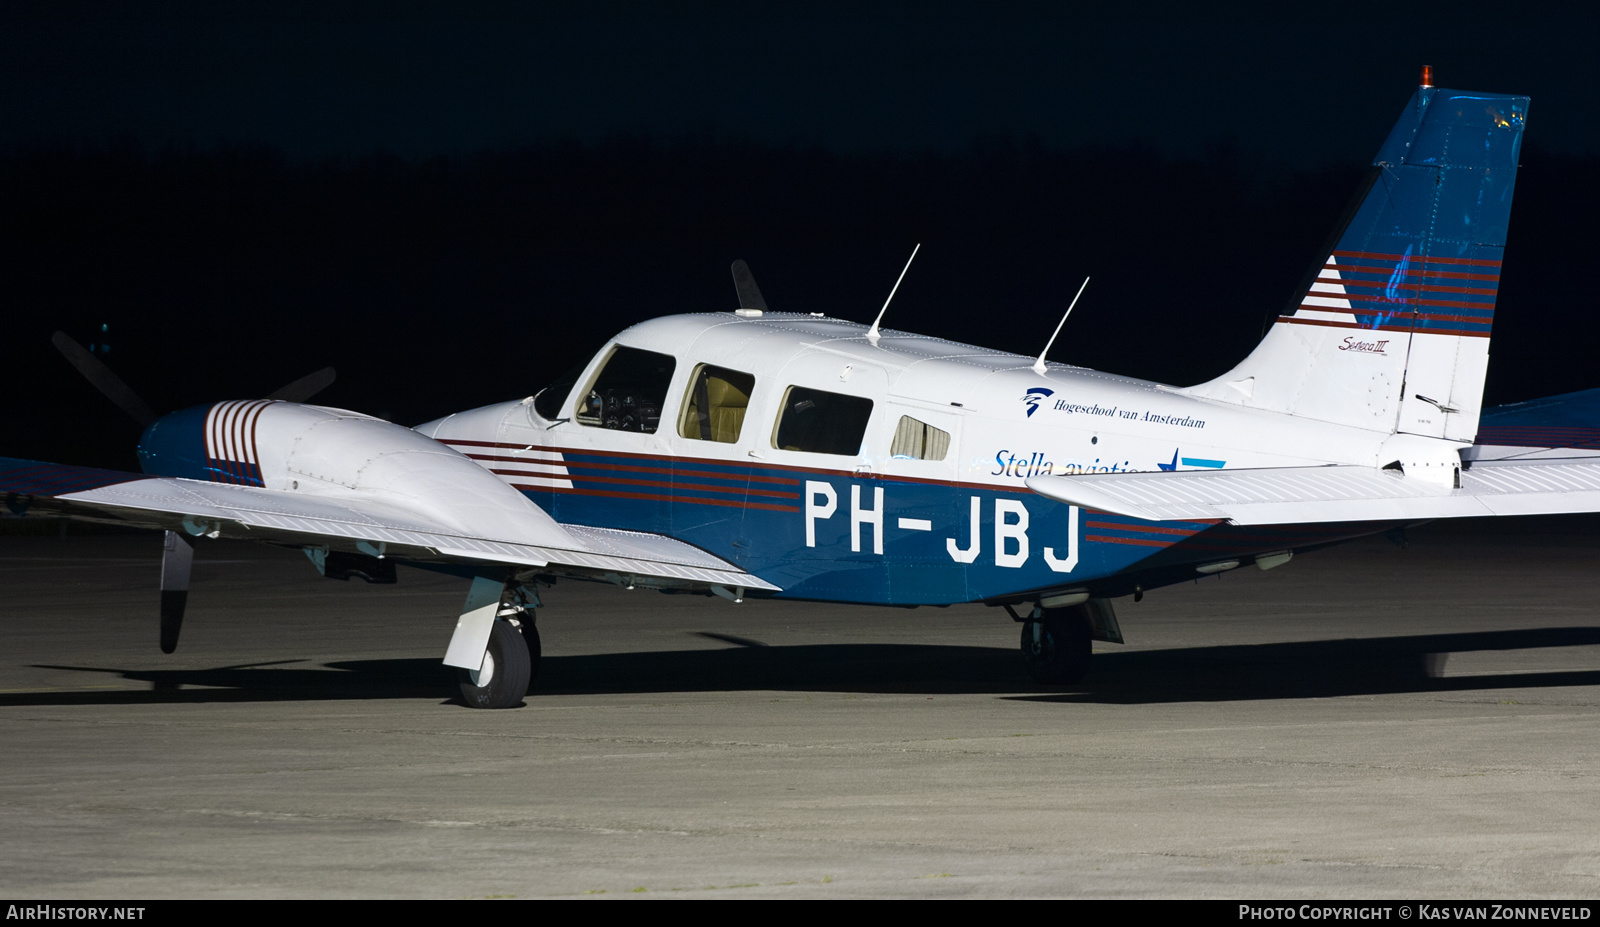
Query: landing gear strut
point(1056, 644)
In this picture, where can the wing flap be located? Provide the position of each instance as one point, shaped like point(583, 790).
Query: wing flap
point(1293, 495)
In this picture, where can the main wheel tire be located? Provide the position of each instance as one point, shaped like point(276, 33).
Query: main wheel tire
point(1056, 647)
point(507, 669)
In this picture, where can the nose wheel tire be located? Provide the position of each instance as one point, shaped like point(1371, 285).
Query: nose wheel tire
point(1056, 646)
point(508, 668)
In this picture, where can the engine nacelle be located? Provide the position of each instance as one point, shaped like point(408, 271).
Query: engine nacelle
point(333, 453)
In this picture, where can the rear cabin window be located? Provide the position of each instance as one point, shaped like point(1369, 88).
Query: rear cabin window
point(628, 393)
point(918, 440)
point(822, 423)
point(715, 406)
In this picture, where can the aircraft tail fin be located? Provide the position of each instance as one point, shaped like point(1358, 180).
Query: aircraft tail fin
point(1390, 331)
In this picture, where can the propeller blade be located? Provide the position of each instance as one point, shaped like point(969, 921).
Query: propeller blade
point(108, 383)
point(305, 387)
point(177, 557)
point(745, 284)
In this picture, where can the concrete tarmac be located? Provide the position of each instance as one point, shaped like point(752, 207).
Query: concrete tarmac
point(1363, 722)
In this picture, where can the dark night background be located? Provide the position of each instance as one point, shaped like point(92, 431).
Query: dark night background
point(453, 204)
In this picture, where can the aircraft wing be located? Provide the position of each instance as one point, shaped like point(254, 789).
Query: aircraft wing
point(1335, 493)
point(354, 523)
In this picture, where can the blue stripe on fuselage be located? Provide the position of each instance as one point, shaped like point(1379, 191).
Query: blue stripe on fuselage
point(856, 549)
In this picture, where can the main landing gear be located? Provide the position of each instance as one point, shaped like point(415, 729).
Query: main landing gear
point(509, 665)
point(495, 648)
point(1056, 644)
point(1057, 640)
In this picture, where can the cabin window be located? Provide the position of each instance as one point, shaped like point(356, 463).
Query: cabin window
point(919, 440)
point(714, 408)
point(822, 423)
point(628, 393)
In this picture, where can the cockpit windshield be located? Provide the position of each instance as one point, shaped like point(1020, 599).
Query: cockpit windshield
point(548, 401)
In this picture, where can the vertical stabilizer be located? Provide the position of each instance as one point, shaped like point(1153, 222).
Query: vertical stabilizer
point(1391, 331)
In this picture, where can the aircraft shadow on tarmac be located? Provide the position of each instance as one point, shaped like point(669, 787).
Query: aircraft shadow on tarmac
point(1311, 669)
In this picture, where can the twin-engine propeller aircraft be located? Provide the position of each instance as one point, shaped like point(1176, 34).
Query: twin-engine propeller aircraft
point(758, 453)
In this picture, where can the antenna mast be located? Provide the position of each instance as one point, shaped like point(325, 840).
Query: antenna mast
point(872, 333)
point(1038, 365)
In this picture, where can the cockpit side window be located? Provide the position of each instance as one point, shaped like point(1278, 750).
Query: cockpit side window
point(629, 392)
point(714, 408)
point(821, 422)
point(918, 440)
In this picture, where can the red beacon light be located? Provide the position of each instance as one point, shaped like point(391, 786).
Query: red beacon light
point(1427, 75)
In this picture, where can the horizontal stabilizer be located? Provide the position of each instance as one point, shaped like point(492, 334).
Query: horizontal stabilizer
point(1570, 420)
point(1298, 495)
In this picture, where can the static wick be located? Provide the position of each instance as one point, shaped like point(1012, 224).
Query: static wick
point(1038, 365)
point(872, 333)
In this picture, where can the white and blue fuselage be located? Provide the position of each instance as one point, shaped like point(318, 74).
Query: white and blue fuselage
point(874, 526)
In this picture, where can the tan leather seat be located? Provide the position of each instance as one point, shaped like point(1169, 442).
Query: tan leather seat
point(727, 404)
